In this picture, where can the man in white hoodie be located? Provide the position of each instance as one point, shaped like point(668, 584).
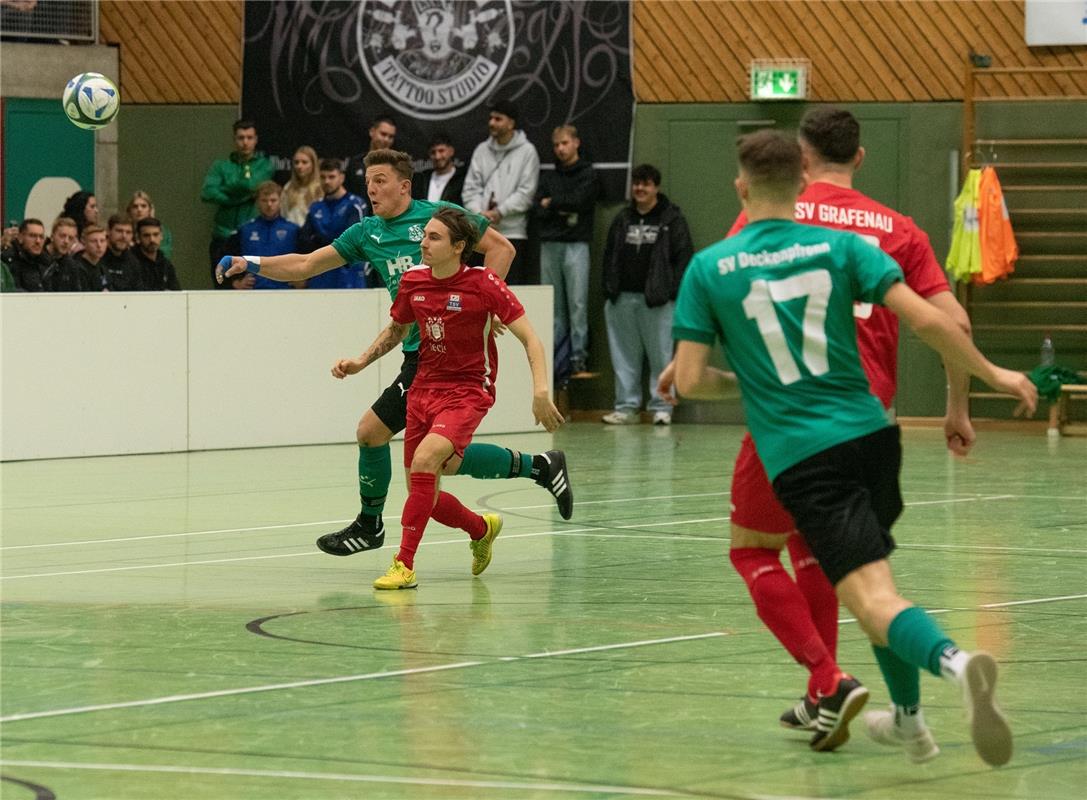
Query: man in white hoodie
point(501, 184)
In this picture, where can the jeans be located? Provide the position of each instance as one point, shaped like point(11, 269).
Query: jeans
point(565, 265)
point(636, 331)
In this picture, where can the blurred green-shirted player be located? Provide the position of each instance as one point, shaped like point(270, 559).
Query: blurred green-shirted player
point(779, 297)
point(389, 240)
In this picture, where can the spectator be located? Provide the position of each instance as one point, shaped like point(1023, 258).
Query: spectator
point(27, 259)
point(67, 274)
point(83, 208)
point(304, 187)
point(119, 263)
point(649, 245)
point(501, 184)
point(231, 185)
point(9, 235)
point(157, 273)
point(382, 137)
point(82, 271)
point(566, 201)
point(61, 238)
point(330, 216)
point(443, 181)
point(142, 206)
point(269, 234)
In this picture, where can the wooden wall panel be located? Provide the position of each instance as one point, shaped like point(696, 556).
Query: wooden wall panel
point(698, 51)
point(693, 51)
point(174, 51)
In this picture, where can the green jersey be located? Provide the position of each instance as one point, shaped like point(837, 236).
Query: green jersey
point(779, 295)
point(392, 245)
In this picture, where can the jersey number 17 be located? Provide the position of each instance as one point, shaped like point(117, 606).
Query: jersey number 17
point(815, 287)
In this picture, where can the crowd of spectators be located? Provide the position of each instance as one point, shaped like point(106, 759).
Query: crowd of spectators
point(647, 247)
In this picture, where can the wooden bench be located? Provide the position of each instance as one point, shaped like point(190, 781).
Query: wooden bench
point(1069, 392)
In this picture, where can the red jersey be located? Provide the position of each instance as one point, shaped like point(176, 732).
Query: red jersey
point(454, 317)
point(899, 237)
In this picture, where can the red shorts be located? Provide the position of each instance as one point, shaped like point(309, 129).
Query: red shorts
point(754, 504)
point(452, 412)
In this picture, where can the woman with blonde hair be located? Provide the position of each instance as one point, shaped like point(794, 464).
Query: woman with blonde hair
point(140, 206)
point(304, 186)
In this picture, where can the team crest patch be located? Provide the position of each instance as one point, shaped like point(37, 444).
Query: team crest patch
point(435, 333)
point(434, 59)
point(454, 303)
point(415, 233)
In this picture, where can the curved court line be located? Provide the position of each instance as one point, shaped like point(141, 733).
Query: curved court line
point(273, 687)
point(579, 788)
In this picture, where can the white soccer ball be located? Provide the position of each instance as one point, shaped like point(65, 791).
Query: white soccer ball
point(91, 100)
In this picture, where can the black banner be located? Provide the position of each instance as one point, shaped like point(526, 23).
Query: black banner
point(318, 73)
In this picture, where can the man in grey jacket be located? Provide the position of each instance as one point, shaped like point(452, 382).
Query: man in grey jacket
point(501, 184)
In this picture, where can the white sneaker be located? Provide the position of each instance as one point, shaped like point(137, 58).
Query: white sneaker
point(621, 418)
point(662, 418)
point(919, 748)
point(988, 726)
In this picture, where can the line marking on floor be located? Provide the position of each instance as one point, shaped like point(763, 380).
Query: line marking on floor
point(179, 698)
point(273, 687)
point(580, 788)
point(289, 526)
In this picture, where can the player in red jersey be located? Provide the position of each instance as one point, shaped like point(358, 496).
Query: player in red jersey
point(454, 305)
point(802, 611)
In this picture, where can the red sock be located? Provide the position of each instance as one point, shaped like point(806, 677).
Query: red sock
point(813, 583)
point(451, 512)
point(416, 513)
point(783, 610)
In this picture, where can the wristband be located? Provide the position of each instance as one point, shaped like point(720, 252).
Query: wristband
point(252, 264)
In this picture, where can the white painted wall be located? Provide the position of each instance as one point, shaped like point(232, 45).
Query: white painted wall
point(110, 374)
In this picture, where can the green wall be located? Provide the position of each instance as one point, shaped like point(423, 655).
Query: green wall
point(166, 150)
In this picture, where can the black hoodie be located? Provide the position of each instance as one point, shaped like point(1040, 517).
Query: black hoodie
point(573, 191)
point(647, 252)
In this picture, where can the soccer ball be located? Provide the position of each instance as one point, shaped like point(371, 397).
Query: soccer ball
point(91, 100)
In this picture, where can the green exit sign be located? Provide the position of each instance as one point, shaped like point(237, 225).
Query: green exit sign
point(779, 81)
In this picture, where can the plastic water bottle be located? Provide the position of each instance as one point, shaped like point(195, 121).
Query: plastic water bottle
point(1048, 354)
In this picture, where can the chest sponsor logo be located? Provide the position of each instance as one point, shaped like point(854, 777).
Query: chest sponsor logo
point(454, 303)
point(434, 59)
point(398, 266)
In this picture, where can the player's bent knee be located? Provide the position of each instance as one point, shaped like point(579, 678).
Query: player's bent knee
point(371, 431)
point(746, 537)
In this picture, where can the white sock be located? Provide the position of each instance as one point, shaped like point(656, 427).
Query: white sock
point(953, 663)
point(909, 720)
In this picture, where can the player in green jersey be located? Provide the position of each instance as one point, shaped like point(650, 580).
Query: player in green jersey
point(390, 241)
point(779, 297)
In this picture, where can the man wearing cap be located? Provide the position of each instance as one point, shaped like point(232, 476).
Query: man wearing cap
point(501, 184)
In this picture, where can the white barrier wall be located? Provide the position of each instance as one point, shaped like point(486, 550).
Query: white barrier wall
point(110, 374)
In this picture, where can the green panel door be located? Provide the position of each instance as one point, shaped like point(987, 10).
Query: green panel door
point(46, 159)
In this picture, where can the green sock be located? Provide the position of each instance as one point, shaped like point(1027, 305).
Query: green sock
point(375, 475)
point(489, 461)
point(917, 639)
point(903, 680)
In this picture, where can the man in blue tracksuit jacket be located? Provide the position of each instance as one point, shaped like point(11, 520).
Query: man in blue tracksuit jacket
point(330, 216)
point(268, 234)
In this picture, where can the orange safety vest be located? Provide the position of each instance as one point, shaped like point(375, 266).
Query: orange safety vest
point(998, 248)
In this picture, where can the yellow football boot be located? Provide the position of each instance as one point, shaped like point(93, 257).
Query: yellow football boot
point(481, 548)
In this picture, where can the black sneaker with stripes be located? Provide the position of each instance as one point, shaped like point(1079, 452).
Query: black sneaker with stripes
point(800, 717)
point(549, 471)
point(365, 533)
point(834, 713)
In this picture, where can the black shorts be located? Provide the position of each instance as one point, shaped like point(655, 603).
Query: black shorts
point(845, 499)
point(391, 406)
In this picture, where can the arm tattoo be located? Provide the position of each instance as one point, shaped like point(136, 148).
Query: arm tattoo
point(387, 340)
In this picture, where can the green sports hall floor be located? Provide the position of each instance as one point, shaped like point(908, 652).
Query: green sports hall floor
point(169, 631)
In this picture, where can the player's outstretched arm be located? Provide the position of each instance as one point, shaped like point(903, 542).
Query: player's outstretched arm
point(498, 252)
point(696, 379)
point(938, 331)
point(393, 334)
point(542, 408)
point(958, 430)
point(291, 267)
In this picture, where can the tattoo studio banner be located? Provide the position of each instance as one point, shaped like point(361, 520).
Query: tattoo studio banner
point(318, 73)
